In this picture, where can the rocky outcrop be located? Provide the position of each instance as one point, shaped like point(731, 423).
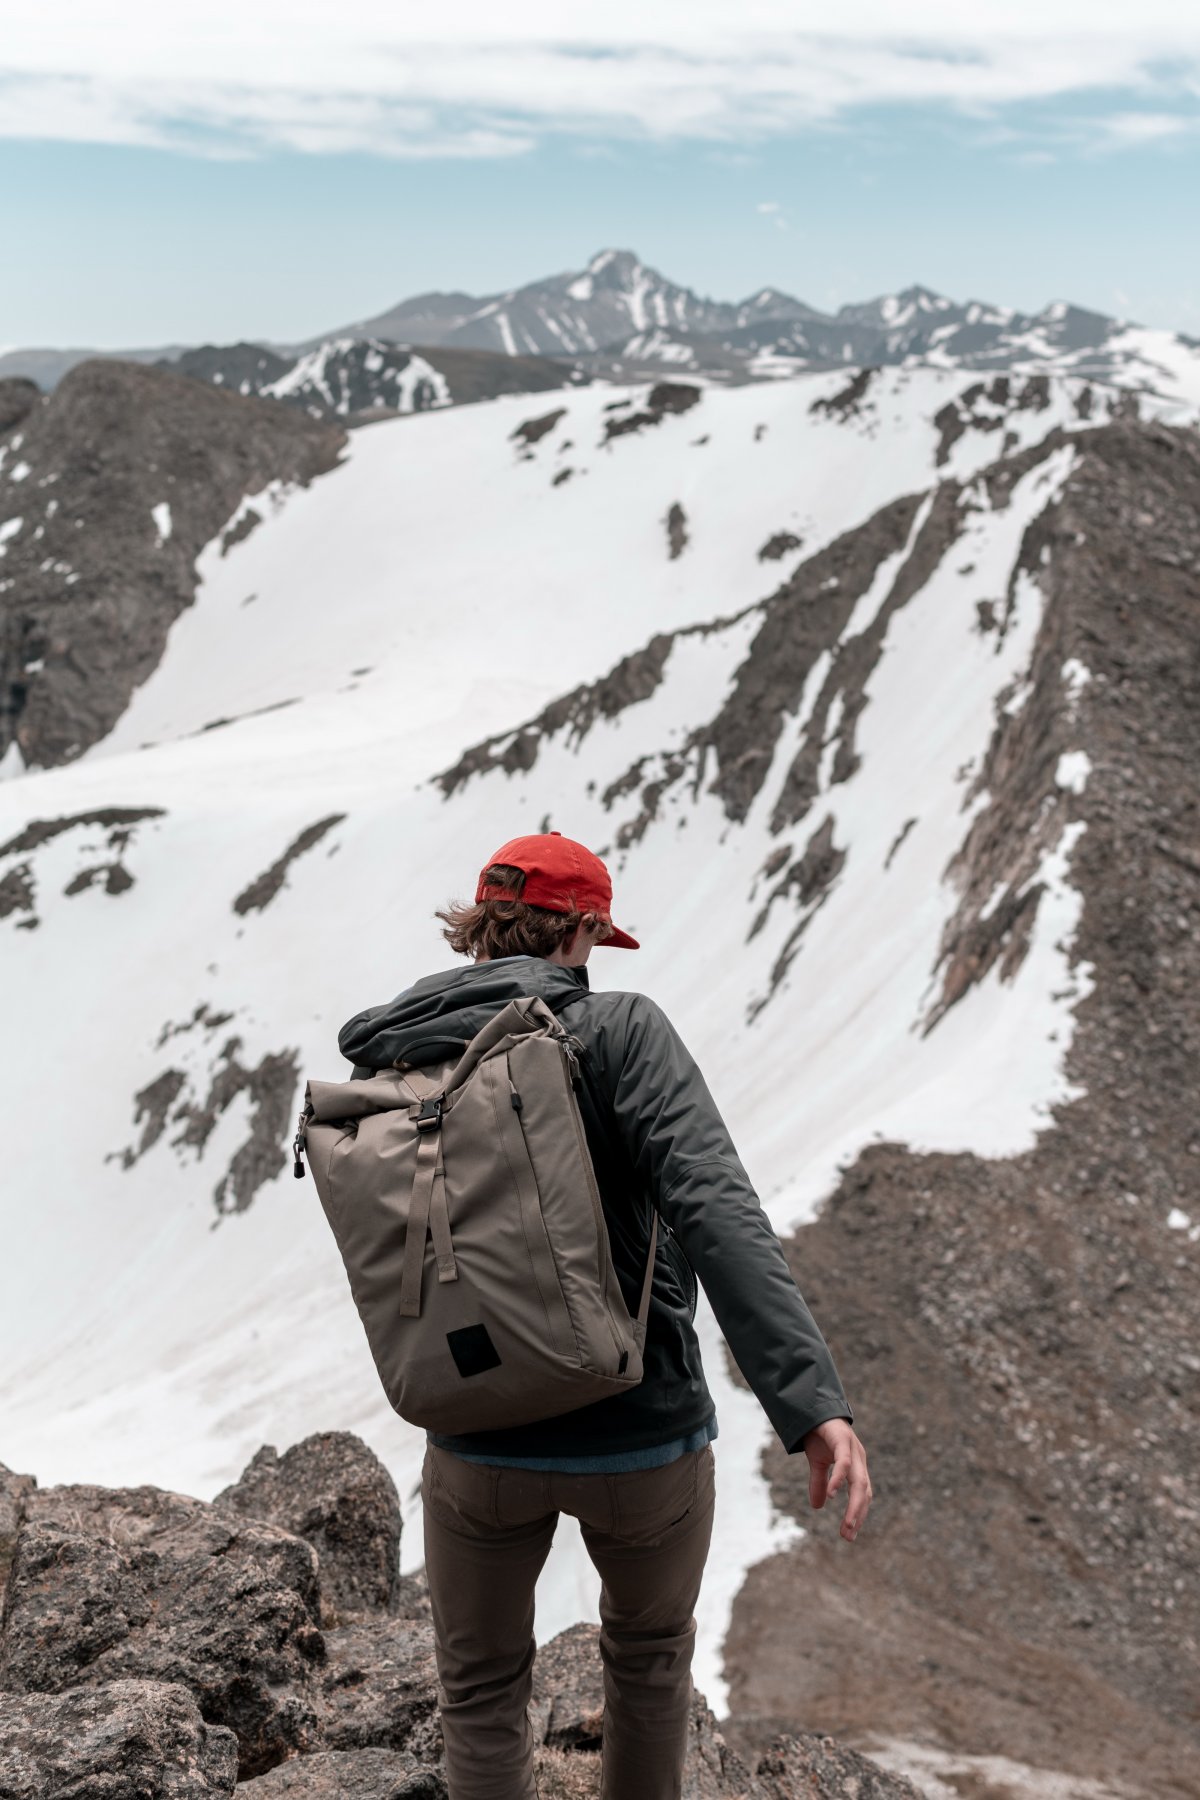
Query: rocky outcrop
point(155, 1648)
point(334, 1493)
point(123, 1740)
point(379, 1686)
point(109, 489)
point(135, 1583)
point(351, 1775)
point(18, 397)
point(14, 1495)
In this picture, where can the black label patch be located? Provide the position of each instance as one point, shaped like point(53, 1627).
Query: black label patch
point(473, 1350)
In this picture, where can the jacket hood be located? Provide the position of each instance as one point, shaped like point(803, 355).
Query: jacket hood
point(440, 1014)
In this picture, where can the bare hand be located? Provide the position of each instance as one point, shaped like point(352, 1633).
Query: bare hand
point(836, 1458)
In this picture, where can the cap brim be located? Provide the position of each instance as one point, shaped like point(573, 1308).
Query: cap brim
point(618, 940)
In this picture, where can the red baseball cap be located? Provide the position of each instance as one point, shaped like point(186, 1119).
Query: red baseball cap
point(560, 875)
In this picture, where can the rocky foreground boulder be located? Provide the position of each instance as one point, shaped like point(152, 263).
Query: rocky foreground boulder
point(155, 1647)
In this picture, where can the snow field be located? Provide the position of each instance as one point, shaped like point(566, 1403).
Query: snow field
point(145, 1341)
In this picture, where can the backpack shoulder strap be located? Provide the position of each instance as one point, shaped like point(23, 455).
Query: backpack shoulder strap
point(643, 1311)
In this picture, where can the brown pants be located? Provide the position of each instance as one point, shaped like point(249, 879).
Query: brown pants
point(488, 1532)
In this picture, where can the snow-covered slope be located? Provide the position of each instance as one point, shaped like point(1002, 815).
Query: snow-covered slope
point(819, 603)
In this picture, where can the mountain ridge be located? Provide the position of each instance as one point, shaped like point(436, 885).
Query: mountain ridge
point(619, 319)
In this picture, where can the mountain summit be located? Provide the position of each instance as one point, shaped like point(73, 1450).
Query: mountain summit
point(573, 314)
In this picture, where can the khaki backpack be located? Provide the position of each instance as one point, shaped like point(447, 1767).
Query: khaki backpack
point(465, 1205)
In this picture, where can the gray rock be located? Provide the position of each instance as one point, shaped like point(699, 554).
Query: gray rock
point(14, 1492)
point(819, 1768)
point(568, 1715)
point(335, 1493)
point(18, 397)
point(568, 1690)
point(379, 1687)
point(139, 1583)
point(350, 1775)
point(123, 1740)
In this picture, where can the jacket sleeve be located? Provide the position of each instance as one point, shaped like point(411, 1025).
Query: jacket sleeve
point(683, 1153)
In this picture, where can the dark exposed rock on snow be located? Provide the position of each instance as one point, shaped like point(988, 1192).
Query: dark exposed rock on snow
point(16, 890)
point(152, 1646)
point(987, 407)
point(633, 678)
point(121, 1740)
point(115, 819)
point(264, 888)
point(779, 545)
point(18, 882)
point(119, 479)
point(848, 400)
point(677, 531)
point(532, 431)
point(665, 398)
point(271, 1086)
point(336, 1494)
point(808, 883)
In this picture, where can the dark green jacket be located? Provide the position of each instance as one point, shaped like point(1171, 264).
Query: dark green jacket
point(657, 1139)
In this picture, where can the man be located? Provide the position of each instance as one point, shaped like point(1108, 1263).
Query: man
point(636, 1470)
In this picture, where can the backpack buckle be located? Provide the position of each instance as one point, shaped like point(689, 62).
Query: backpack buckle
point(429, 1114)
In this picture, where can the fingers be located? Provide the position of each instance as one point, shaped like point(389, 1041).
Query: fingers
point(858, 1500)
point(818, 1484)
point(840, 1470)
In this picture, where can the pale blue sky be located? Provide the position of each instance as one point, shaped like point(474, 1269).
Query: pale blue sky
point(154, 189)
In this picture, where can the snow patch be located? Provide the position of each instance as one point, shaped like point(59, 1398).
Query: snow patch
point(161, 514)
point(1072, 770)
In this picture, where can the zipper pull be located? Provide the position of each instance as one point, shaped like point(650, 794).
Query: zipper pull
point(298, 1147)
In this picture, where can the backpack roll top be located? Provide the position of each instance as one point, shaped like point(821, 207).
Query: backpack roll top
point(464, 1204)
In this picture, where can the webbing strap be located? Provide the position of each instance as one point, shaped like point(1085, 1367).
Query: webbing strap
point(418, 1084)
point(428, 1157)
point(643, 1311)
point(428, 1213)
point(439, 1220)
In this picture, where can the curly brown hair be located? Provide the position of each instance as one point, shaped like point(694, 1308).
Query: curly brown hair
point(491, 928)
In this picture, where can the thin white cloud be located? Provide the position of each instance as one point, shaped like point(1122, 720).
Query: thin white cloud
point(1145, 127)
point(222, 77)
